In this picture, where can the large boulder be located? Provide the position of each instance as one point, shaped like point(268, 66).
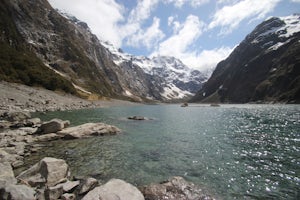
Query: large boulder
point(115, 189)
point(52, 126)
point(17, 192)
point(174, 189)
point(87, 130)
point(49, 171)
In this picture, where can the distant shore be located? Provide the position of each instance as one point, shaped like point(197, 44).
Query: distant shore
point(18, 97)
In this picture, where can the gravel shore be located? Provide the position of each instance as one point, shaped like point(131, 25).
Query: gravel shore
point(18, 97)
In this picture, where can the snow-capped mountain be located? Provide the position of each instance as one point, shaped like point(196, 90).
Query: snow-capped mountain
point(275, 32)
point(169, 75)
point(263, 68)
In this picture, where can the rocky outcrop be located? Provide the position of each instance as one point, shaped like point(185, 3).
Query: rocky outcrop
point(115, 189)
point(174, 189)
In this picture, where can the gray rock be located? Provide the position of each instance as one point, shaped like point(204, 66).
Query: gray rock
point(53, 193)
point(174, 189)
point(33, 122)
point(49, 171)
point(17, 192)
point(115, 189)
point(7, 173)
point(87, 185)
point(68, 196)
point(15, 116)
point(69, 186)
point(52, 126)
point(87, 130)
point(137, 118)
point(47, 137)
point(5, 157)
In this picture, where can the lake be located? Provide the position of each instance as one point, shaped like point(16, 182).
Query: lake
point(235, 151)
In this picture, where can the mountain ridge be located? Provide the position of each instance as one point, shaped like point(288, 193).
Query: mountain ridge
point(264, 67)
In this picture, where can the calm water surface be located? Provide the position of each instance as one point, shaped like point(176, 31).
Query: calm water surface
point(236, 151)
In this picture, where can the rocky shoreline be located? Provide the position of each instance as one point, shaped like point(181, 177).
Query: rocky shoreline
point(51, 179)
point(18, 97)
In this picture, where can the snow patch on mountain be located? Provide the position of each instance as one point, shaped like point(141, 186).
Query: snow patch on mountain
point(177, 80)
point(276, 32)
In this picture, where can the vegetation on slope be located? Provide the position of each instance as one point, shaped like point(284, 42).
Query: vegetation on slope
point(19, 64)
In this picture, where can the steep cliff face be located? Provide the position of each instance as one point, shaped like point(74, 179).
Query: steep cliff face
point(18, 63)
point(265, 67)
point(65, 47)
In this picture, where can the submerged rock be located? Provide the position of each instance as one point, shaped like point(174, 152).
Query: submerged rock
point(174, 189)
point(136, 118)
point(115, 189)
point(87, 130)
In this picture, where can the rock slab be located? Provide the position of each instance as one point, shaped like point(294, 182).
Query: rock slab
point(115, 189)
point(87, 130)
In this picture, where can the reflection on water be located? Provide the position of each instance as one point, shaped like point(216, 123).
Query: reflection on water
point(237, 151)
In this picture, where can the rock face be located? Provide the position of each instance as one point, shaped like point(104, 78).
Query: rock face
point(49, 171)
point(263, 68)
point(174, 189)
point(115, 189)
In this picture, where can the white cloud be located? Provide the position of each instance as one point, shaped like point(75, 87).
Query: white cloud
point(148, 38)
point(229, 17)
point(179, 42)
point(133, 33)
point(101, 16)
point(142, 11)
point(193, 3)
point(207, 59)
point(170, 20)
point(296, 1)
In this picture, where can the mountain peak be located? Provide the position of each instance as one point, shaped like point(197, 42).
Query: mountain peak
point(263, 67)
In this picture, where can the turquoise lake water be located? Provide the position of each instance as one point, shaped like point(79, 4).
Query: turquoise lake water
point(235, 151)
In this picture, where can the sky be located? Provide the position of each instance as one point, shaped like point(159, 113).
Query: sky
point(198, 32)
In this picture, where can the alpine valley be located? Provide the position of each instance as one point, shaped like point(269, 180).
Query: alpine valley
point(40, 46)
point(77, 58)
